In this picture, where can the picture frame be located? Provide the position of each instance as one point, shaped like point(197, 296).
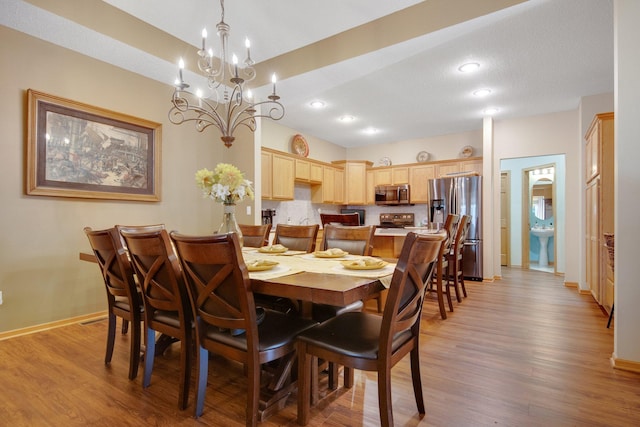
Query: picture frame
point(81, 151)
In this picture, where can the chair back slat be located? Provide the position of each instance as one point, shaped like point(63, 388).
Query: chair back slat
point(218, 281)
point(340, 219)
point(158, 269)
point(113, 262)
point(357, 240)
point(255, 236)
point(297, 237)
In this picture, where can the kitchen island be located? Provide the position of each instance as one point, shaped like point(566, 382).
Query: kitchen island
point(387, 242)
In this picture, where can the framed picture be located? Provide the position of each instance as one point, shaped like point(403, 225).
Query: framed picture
point(76, 150)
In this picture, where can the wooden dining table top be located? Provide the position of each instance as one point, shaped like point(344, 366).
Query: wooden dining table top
point(330, 287)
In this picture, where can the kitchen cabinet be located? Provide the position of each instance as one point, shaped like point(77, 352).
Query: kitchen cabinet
point(265, 176)
point(471, 166)
point(371, 188)
point(332, 188)
point(355, 184)
point(444, 169)
point(599, 198)
point(339, 190)
point(302, 170)
point(418, 178)
point(306, 171)
point(382, 176)
point(400, 175)
point(282, 177)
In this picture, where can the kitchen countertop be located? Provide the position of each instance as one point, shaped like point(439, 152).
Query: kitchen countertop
point(398, 231)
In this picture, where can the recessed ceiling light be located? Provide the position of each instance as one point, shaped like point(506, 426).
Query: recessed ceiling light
point(468, 67)
point(481, 92)
point(346, 119)
point(371, 131)
point(317, 104)
point(490, 111)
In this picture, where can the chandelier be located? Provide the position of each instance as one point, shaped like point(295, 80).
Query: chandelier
point(228, 104)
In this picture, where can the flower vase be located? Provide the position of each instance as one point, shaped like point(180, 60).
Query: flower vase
point(229, 223)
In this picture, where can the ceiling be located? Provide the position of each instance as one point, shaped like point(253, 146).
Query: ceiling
point(393, 65)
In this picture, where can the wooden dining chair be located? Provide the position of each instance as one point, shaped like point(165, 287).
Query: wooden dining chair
point(123, 298)
point(360, 340)
point(137, 229)
point(340, 219)
point(255, 236)
point(439, 280)
point(297, 237)
point(220, 291)
point(356, 240)
point(455, 276)
point(167, 307)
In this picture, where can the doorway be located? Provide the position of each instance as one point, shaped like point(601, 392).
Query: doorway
point(505, 223)
point(538, 231)
point(520, 201)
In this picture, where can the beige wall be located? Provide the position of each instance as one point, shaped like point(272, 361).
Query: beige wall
point(279, 137)
point(547, 134)
point(443, 147)
point(41, 277)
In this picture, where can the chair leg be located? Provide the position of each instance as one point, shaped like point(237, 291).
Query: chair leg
point(125, 326)
point(201, 378)
point(416, 379)
point(384, 397)
point(440, 296)
point(111, 337)
point(348, 377)
point(464, 289)
point(304, 383)
point(150, 344)
point(134, 351)
point(314, 380)
point(333, 375)
point(253, 395)
point(185, 375)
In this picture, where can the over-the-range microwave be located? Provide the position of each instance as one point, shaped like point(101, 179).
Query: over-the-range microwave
point(393, 194)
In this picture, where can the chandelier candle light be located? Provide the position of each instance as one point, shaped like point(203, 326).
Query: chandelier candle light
point(229, 103)
point(225, 184)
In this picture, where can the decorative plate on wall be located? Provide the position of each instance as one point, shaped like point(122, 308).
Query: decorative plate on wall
point(467, 151)
point(422, 157)
point(385, 161)
point(299, 146)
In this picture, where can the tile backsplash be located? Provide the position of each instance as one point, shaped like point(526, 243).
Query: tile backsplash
point(302, 211)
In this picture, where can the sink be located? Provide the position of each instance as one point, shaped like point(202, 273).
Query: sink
point(542, 232)
point(543, 235)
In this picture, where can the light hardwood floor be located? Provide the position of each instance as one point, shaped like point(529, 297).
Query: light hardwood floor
point(523, 351)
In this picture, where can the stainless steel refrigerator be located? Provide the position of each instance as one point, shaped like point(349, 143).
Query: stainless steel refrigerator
point(461, 195)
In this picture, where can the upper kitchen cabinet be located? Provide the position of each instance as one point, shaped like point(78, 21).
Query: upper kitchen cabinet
point(339, 187)
point(599, 133)
point(418, 177)
point(382, 176)
point(266, 175)
point(282, 177)
point(400, 175)
point(449, 168)
point(391, 175)
point(308, 171)
point(471, 166)
point(332, 188)
point(355, 181)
